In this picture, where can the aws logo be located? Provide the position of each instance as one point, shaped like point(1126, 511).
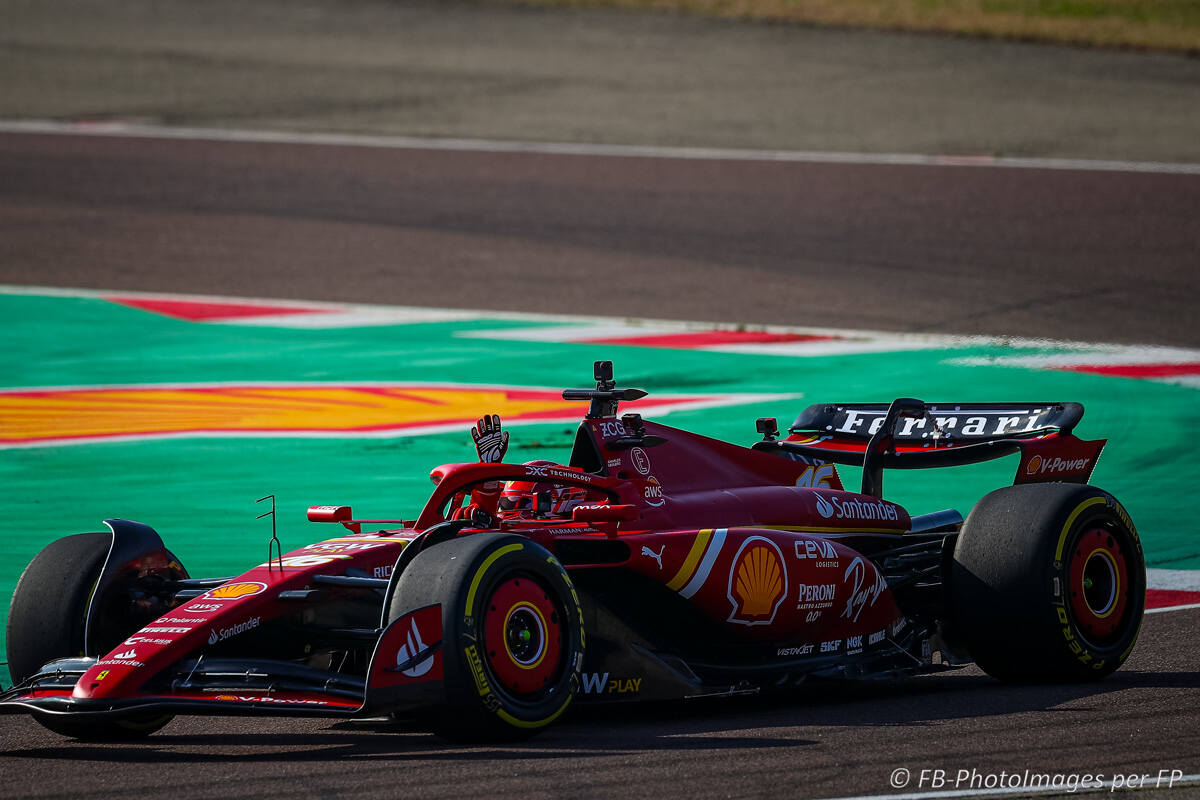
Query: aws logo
point(653, 493)
point(757, 582)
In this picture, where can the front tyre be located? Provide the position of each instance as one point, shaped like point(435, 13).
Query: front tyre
point(1048, 583)
point(512, 634)
point(46, 622)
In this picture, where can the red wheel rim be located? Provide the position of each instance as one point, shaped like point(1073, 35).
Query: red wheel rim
point(1099, 583)
point(522, 632)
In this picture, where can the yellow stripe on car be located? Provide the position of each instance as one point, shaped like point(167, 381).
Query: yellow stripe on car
point(689, 563)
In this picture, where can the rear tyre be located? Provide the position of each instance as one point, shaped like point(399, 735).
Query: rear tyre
point(512, 634)
point(1048, 583)
point(46, 622)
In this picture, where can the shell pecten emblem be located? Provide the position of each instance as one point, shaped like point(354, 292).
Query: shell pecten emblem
point(757, 582)
point(234, 591)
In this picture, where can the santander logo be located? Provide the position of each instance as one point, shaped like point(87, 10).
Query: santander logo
point(854, 508)
point(824, 508)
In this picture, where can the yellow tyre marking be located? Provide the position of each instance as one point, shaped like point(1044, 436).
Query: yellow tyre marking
point(483, 568)
point(689, 563)
point(1062, 539)
point(520, 723)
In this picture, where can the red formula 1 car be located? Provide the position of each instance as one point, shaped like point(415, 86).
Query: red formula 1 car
point(655, 564)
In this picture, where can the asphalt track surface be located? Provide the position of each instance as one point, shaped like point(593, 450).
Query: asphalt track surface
point(1098, 256)
point(1032, 252)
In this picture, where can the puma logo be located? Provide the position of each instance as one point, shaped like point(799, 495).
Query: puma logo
point(646, 551)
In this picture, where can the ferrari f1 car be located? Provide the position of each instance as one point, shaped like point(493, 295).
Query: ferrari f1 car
point(655, 564)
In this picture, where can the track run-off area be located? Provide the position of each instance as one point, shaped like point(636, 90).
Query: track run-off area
point(196, 324)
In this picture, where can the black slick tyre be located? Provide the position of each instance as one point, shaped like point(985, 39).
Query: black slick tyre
point(512, 634)
point(1048, 583)
point(46, 622)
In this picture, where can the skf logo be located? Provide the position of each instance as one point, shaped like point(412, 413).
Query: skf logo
point(757, 582)
point(236, 590)
point(654, 492)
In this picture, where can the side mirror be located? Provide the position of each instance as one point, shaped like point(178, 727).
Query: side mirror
point(341, 514)
point(604, 513)
point(330, 514)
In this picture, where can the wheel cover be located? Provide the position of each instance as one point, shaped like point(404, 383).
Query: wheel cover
point(523, 635)
point(1099, 583)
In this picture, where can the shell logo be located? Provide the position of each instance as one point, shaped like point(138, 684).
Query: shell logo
point(1034, 465)
point(757, 582)
point(234, 591)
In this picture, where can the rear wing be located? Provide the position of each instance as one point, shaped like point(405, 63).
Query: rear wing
point(912, 434)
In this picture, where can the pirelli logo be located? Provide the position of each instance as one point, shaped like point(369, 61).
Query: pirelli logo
point(476, 665)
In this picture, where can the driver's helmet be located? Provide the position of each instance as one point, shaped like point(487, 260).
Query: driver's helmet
point(530, 498)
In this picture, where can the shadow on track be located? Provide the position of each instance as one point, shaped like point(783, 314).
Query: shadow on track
point(708, 724)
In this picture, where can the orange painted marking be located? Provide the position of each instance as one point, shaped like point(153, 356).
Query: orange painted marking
point(72, 415)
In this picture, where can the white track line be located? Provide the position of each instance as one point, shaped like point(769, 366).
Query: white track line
point(1176, 580)
point(582, 149)
point(1187, 607)
point(1179, 580)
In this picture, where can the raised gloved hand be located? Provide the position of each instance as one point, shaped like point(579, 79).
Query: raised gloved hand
point(490, 441)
